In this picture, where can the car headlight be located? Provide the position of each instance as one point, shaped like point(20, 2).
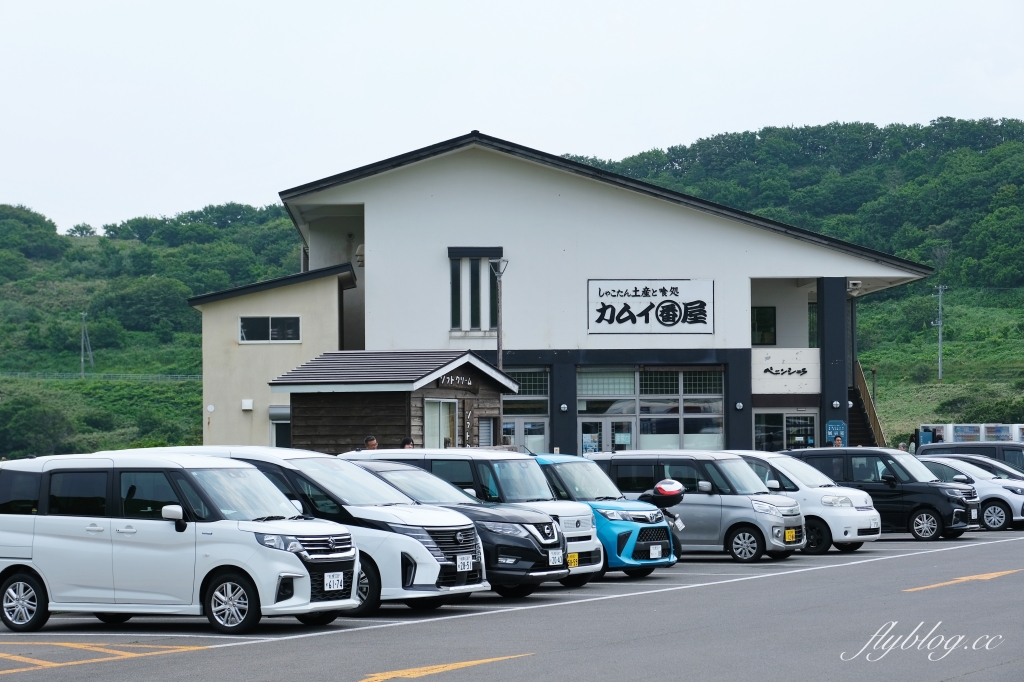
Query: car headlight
point(766, 508)
point(615, 514)
point(953, 492)
point(1014, 490)
point(837, 501)
point(423, 536)
point(504, 528)
point(287, 543)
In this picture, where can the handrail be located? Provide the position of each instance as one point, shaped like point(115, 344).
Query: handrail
point(869, 405)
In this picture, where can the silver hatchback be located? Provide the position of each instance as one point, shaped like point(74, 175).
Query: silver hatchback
point(725, 507)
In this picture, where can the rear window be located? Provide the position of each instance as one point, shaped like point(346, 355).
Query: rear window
point(78, 493)
point(19, 492)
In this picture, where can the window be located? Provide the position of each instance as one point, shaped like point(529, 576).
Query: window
point(762, 326)
point(868, 469)
point(1014, 456)
point(195, 500)
point(489, 484)
point(440, 425)
point(474, 293)
point(269, 330)
point(19, 492)
point(532, 382)
point(469, 298)
point(456, 268)
point(282, 434)
point(830, 466)
point(560, 492)
point(144, 494)
point(635, 478)
point(456, 471)
point(278, 480)
point(763, 471)
point(687, 474)
point(318, 499)
point(812, 325)
point(942, 472)
point(78, 493)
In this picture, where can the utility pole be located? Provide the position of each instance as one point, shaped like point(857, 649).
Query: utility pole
point(498, 266)
point(938, 323)
point(86, 348)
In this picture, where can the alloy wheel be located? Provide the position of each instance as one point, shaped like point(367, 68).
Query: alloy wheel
point(20, 603)
point(925, 525)
point(362, 587)
point(230, 604)
point(744, 545)
point(995, 516)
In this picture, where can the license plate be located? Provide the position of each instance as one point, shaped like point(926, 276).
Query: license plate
point(655, 551)
point(791, 535)
point(334, 581)
point(678, 523)
point(464, 562)
point(555, 557)
point(974, 513)
point(874, 523)
point(572, 559)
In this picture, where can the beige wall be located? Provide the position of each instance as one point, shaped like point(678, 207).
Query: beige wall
point(234, 371)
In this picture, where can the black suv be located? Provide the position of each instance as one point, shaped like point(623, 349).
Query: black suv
point(906, 494)
point(1009, 452)
point(516, 540)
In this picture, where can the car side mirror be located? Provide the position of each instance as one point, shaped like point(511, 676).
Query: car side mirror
point(174, 512)
point(773, 485)
point(889, 478)
point(960, 478)
point(469, 491)
point(297, 505)
point(704, 486)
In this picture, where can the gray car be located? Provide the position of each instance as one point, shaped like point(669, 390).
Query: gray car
point(725, 506)
point(1002, 501)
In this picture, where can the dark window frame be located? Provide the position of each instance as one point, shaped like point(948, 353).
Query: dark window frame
point(270, 329)
point(755, 323)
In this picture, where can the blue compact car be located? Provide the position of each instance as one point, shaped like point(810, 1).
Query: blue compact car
point(635, 534)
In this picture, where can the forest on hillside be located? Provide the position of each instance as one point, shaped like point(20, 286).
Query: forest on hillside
point(949, 194)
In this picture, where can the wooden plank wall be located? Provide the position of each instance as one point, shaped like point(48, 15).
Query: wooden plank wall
point(338, 422)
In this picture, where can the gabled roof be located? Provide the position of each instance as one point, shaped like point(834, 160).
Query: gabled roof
point(345, 272)
point(347, 371)
point(478, 139)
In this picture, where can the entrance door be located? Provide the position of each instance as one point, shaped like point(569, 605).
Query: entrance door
point(606, 434)
point(440, 423)
point(774, 431)
point(531, 432)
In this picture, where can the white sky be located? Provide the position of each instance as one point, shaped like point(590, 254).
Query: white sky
point(112, 110)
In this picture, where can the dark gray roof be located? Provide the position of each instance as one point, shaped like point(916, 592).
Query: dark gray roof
point(345, 272)
point(400, 369)
point(476, 138)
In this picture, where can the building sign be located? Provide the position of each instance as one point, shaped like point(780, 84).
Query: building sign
point(836, 428)
point(650, 306)
point(461, 381)
point(785, 370)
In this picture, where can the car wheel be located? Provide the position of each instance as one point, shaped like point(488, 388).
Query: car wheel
point(367, 590)
point(745, 544)
point(849, 546)
point(578, 580)
point(319, 619)
point(926, 525)
point(952, 534)
point(426, 604)
point(514, 591)
point(113, 618)
point(639, 572)
point(232, 604)
point(25, 605)
point(781, 555)
point(995, 516)
point(819, 537)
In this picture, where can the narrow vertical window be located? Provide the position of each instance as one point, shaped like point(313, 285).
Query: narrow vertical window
point(812, 325)
point(456, 266)
point(762, 326)
point(494, 296)
point(474, 293)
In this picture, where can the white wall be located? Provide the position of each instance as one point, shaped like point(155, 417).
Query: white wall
point(330, 244)
point(789, 297)
point(558, 230)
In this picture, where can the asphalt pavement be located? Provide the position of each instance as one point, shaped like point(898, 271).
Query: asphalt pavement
point(895, 610)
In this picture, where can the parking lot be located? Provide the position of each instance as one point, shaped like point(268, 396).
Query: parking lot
point(705, 618)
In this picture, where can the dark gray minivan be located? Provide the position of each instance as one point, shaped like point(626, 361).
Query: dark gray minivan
point(1008, 451)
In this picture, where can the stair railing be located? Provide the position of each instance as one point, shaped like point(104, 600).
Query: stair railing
point(869, 405)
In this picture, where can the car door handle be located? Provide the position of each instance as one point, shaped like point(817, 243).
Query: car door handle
point(93, 528)
point(128, 531)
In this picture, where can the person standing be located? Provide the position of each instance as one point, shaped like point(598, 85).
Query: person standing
point(370, 443)
point(408, 443)
point(837, 442)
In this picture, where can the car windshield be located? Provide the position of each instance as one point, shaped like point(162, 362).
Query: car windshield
point(802, 472)
point(586, 481)
point(1002, 469)
point(351, 483)
point(741, 477)
point(521, 480)
point(969, 469)
point(427, 488)
point(243, 494)
point(913, 466)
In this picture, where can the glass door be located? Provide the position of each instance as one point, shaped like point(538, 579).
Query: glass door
point(799, 431)
point(440, 425)
point(774, 431)
point(608, 434)
point(528, 432)
point(591, 432)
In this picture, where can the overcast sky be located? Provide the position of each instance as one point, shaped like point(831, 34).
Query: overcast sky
point(114, 110)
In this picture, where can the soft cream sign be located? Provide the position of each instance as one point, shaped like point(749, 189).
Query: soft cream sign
point(650, 306)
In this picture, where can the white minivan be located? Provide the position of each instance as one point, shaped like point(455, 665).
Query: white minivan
point(410, 553)
point(120, 534)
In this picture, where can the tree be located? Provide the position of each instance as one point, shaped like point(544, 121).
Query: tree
point(30, 427)
point(82, 230)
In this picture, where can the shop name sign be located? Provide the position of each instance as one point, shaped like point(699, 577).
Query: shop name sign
point(650, 306)
point(466, 383)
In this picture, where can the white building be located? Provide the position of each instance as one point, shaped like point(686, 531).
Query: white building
point(634, 316)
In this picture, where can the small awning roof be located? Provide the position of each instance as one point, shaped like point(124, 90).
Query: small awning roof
point(361, 371)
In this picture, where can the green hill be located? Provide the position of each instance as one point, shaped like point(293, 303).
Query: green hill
point(950, 194)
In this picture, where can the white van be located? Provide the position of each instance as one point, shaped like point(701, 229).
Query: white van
point(409, 552)
point(117, 535)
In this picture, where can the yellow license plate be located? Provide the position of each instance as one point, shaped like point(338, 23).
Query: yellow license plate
point(791, 535)
point(572, 560)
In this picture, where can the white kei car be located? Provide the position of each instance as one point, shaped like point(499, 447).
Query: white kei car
point(843, 517)
point(411, 553)
point(118, 535)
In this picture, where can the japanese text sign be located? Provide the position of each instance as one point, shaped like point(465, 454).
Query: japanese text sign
point(650, 306)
